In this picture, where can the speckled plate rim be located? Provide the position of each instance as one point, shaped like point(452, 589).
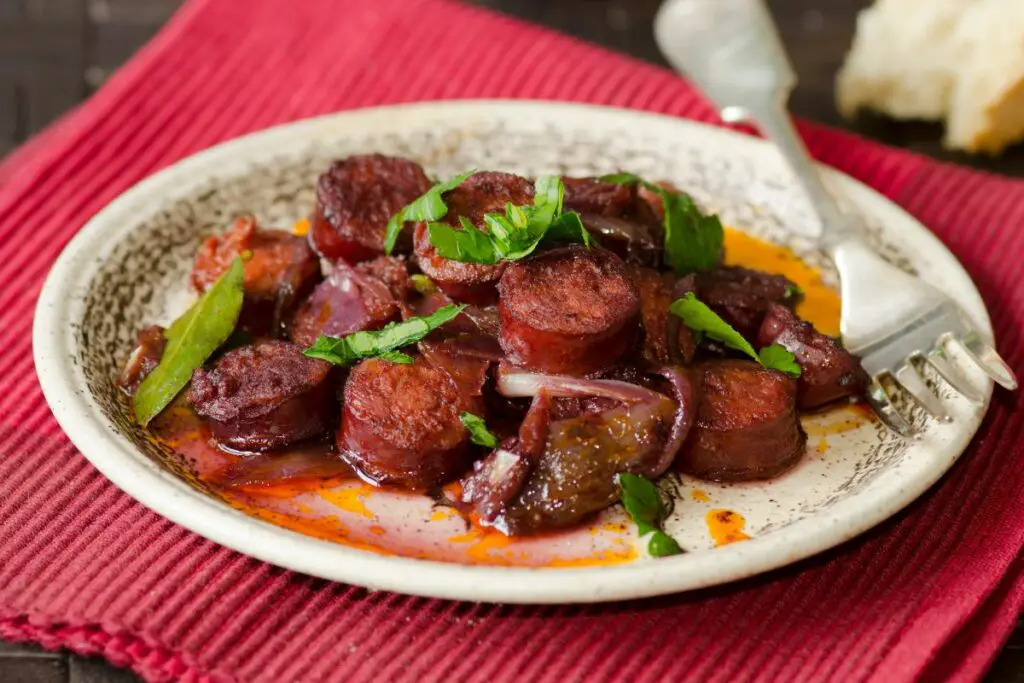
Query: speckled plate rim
point(64, 387)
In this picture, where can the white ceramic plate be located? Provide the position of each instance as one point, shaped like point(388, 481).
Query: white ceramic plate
point(128, 267)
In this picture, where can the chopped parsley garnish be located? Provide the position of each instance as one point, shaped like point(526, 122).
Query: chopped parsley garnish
point(693, 239)
point(698, 317)
point(642, 501)
point(429, 206)
point(396, 357)
point(777, 357)
point(383, 343)
point(191, 340)
point(516, 233)
point(478, 431)
point(792, 291)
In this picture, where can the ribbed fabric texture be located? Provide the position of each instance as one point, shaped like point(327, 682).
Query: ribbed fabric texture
point(932, 594)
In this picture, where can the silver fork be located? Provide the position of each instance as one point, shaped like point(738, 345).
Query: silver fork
point(893, 321)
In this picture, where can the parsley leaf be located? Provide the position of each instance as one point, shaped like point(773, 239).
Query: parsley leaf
point(516, 233)
point(383, 342)
point(662, 545)
point(792, 291)
point(693, 240)
point(642, 501)
point(698, 317)
point(191, 340)
point(777, 357)
point(469, 244)
point(429, 206)
point(478, 431)
point(396, 357)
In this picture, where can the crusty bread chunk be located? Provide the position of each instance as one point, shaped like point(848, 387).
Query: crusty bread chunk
point(957, 60)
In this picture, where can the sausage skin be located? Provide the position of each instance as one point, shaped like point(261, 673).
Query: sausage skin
point(280, 270)
point(264, 396)
point(356, 198)
point(400, 424)
point(747, 425)
point(828, 371)
point(570, 310)
point(481, 193)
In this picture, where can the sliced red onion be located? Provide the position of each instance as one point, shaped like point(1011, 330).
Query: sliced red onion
point(686, 409)
point(515, 383)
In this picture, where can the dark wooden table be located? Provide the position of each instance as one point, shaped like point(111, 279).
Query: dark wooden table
point(55, 53)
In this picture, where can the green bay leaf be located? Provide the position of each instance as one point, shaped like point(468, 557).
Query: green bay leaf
point(191, 340)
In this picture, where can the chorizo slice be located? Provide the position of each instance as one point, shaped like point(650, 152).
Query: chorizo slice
point(347, 301)
point(280, 269)
point(665, 340)
point(828, 371)
point(747, 425)
point(481, 193)
point(393, 271)
point(591, 196)
point(742, 296)
point(570, 310)
point(356, 198)
point(615, 214)
point(400, 424)
point(149, 349)
point(264, 396)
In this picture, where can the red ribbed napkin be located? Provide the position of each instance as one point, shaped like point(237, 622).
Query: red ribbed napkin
point(932, 594)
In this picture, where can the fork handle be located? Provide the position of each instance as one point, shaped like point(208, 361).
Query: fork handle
point(732, 51)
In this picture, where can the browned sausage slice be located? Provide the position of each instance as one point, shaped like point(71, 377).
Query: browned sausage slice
point(400, 424)
point(621, 221)
point(742, 296)
point(747, 425)
point(280, 269)
point(149, 349)
point(665, 340)
point(829, 371)
point(570, 310)
point(264, 396)
point(354, 201)
point(591, 196)
point(481, 193)
point(393, 271)
point(347, 301)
